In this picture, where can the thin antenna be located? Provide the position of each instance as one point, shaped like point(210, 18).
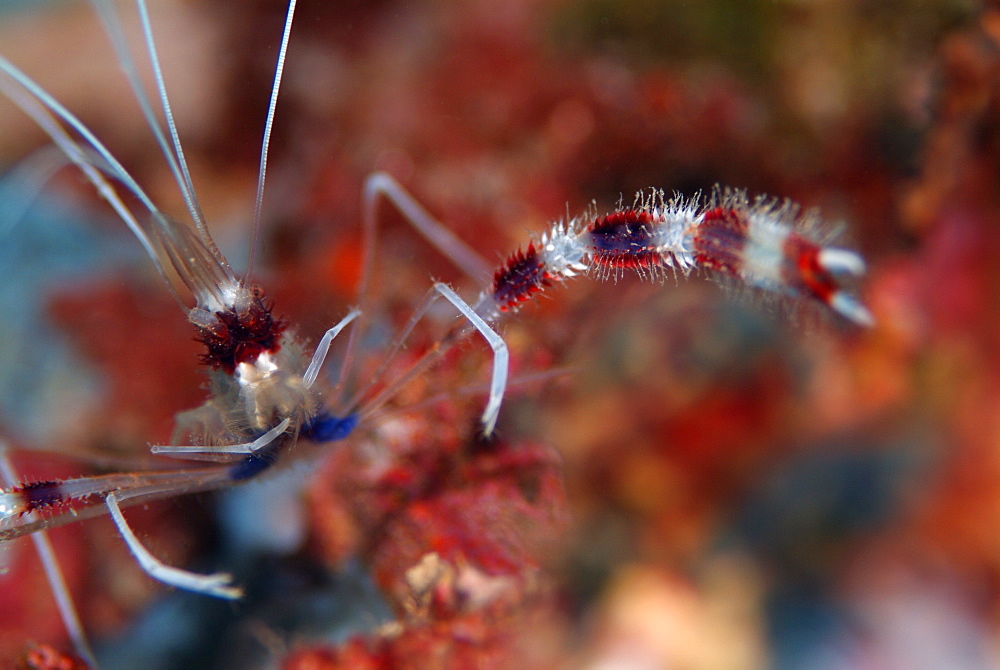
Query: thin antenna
point(112, 26)
point(117, 169)
point(258, 205)
point(40, 106)
point(22, 185)
point(187, 187)
point(175, 153)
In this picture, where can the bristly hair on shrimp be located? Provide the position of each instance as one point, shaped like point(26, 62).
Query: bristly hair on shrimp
point(266, 393)
point(764, 244)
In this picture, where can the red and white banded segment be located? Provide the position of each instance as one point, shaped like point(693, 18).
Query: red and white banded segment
point(763, 244)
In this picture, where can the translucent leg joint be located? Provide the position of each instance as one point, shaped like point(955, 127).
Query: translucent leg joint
point(323, 348)
point(218, 585)
point(454, 249)
point(498, 382)
point(210, 450)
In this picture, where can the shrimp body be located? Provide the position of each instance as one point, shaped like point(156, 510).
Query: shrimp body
point(263, 395)
point(258, 381)
point(257, 366)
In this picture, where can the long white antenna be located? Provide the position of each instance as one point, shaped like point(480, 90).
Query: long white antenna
point(187, 187)
point(259, 203)
point(112, 26)
point(41, 112)
point(117, 169)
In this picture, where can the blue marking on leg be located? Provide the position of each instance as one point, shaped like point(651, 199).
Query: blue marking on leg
point(328, 428)
point(253, 464)
point(323, 427)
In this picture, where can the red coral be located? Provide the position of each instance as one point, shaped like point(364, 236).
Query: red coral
point(494, 507)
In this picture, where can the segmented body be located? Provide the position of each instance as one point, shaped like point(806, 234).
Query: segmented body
point(756, 244)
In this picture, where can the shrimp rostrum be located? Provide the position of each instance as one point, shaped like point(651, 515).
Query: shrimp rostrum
point(266, 393)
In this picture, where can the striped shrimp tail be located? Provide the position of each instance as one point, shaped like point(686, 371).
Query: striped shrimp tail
point(764, 244)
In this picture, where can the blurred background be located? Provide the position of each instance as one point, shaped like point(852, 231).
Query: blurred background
point(696, 483)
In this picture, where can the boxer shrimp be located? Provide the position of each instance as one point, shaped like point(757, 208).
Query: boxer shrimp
point(269, 393)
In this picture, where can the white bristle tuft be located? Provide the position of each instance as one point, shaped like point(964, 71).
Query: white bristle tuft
point(849, 307)
point(842, 261)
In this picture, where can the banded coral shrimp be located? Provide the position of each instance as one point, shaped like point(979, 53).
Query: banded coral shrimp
point(558, 256)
